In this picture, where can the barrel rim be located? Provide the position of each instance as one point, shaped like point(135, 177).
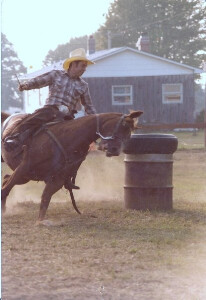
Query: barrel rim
point(153, 135)
point(151, 143)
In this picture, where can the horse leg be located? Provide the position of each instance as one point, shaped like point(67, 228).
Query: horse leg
point(50, 189)
point(5, 179)
point(19, 176)
point(8, 183)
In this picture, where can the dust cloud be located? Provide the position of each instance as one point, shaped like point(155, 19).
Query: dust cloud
point(100, 178)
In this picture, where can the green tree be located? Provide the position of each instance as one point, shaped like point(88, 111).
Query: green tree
point(200, 95)
point(176, 28)
point(10, 65)
point(62, 51)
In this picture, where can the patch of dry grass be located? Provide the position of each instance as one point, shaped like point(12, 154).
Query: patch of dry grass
point(114, 253)
point(190, 176)
point(109, 252)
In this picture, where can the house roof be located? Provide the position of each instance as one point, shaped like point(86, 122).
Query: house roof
point(108, 53)
point(105, 53)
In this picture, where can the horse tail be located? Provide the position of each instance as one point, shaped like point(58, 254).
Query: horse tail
point(4, 116)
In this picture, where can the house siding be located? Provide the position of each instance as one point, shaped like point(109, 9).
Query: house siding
point(147, 96)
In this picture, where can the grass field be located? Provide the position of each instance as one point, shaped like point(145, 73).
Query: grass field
point(190, 140)
point(108, 252)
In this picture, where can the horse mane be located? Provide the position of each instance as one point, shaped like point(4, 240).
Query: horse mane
point(79, 122)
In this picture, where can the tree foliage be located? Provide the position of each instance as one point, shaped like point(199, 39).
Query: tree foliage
point(10, 65)
point(62, 51)
point(176, 28)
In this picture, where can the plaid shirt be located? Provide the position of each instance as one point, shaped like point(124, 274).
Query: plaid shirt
point(63, 90)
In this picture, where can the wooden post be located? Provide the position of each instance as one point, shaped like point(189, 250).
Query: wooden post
point(205, 117)
point(204, 69)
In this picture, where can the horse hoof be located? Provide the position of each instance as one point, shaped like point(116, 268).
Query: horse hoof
point(3, 204)
point(45, 223)
point(93, 216)
point(3, 210)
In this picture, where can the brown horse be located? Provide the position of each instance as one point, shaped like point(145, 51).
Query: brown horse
point(55, 153)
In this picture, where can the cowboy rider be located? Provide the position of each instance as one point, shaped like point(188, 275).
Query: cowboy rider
point(66, 90)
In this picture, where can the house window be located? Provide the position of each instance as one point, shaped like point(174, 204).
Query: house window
point(172, 93)
point(122, 95)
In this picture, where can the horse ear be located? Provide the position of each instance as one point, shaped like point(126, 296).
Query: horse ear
point(135, 114)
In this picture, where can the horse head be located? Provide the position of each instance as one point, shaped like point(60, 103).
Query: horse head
point(115, 131)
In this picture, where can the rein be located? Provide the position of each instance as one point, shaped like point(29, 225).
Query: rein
point(68, 159)
point(61, 148)
point(114, 134)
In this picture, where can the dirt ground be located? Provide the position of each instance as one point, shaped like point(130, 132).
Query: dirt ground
point(108, 252)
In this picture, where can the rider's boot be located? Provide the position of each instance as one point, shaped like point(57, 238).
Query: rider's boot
point(69, 185)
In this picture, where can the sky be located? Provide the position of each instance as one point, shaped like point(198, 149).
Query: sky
point(36, 26)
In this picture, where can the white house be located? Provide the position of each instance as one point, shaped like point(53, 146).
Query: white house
point(125, 78)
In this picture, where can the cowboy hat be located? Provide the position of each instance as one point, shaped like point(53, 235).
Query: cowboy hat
point(77, 54)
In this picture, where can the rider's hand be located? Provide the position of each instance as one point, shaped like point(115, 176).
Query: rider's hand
point(22, 87)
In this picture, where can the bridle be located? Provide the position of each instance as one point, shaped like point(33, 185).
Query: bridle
point(116, 129)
